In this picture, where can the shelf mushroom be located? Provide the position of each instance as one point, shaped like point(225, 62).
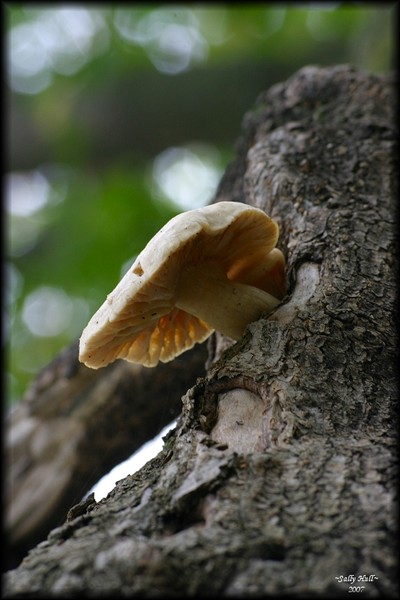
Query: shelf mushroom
point(212, 268)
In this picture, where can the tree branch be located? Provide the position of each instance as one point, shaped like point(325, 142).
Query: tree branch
point(74, 425)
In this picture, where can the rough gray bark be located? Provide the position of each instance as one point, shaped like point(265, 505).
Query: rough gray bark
point(280, 477)
point(73, 425)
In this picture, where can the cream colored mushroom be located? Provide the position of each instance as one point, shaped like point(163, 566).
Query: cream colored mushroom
point(212, 268)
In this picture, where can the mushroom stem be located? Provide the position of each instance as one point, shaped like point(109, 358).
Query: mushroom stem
point(225, 305)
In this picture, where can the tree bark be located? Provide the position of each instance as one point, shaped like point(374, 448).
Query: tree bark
point(280, 477)
point(73, 426)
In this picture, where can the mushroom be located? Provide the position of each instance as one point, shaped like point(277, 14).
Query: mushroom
point(212, 268)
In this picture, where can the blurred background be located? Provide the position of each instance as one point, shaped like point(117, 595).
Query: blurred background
point(118, 118)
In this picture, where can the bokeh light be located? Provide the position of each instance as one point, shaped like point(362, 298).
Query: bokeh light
point(56, 40)
point(187, 176)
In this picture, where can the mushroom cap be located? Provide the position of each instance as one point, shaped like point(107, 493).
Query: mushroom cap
point(139, 321)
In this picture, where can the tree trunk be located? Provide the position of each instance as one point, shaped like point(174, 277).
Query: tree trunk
point(280, 477)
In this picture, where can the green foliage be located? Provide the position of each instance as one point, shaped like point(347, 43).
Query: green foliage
point(91, 114)
point(82, 245)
